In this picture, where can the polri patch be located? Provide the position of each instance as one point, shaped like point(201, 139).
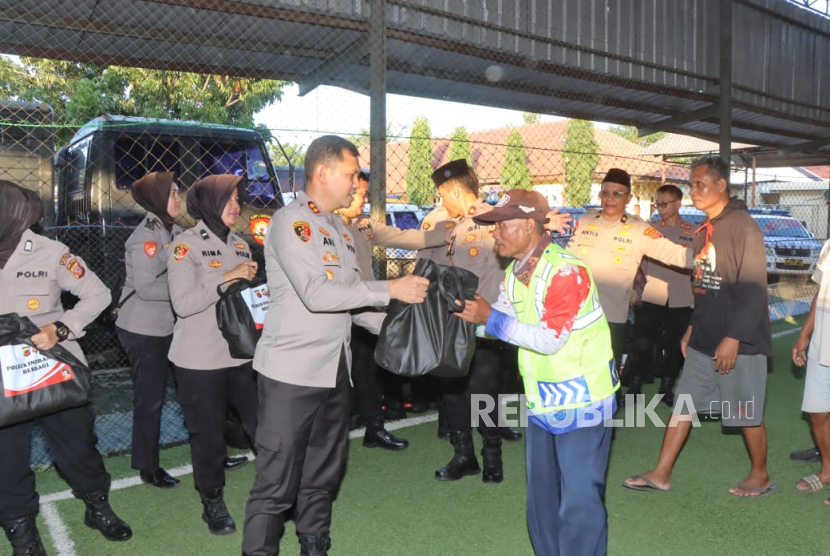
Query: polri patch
point(179, 251)
point(75, 268)
point(33, 304)
point(302, 230)
point(150, 248)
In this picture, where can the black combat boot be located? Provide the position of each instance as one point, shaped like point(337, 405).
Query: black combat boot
point(23, 535)
point(510, 435)
point(443, 422)
point(378, 437)
point(491, 452)
point(314, 545)
point(99, 515)
point(215, 512)
point(667, 389)
point(464, 461)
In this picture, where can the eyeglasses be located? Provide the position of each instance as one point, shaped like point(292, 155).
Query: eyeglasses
point(615, 194)
point(664, 205)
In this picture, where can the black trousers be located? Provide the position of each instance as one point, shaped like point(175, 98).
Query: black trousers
point(366, 375)
point(302, 443)
point(618, 343)
point(204, 397)
point(483, 380)
point(150, 369)
point(72, 441)
point(659, 327)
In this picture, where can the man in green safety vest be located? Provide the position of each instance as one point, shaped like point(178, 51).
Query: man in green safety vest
point(548, 306)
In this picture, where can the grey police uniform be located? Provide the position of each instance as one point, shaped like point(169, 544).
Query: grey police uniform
point(148, 310)
point(208, 378)
point(30, 285)
point(368, 232)
point(196, 264)
point(145, 329)
point(303, 359)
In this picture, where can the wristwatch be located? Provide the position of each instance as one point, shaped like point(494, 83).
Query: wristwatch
point(61, 330)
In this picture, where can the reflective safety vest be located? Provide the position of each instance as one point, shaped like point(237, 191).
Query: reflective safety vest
point(582, 372)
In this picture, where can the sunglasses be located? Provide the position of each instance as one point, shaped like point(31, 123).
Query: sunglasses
point(664, 205)
point(615, 194)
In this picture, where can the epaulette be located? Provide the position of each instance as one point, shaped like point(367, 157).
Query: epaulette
point(151, 223)
point(624, 218)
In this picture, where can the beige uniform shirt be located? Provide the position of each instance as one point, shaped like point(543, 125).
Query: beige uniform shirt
point(32, 281)
point(148, 310)
point(471, 247)
point(368, 232)
point(196, 263)
point(613, 251)
point(437, 219)
point(820, 340)
point(314, 282)
point(667, 285)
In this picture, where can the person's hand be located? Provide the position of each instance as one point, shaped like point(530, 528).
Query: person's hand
point(409, 289)
point(726, 354)
point(800, 351)
point(558, 222)
point(245, 271)
point(684, 341)
point(46, 338)
point(476, 311)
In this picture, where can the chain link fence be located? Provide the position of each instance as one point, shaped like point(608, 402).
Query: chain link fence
point(80, 128)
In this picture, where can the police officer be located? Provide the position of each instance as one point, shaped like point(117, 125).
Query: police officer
point(663, 315)
point(33, 272)
point(145, 318)
point(368, 232)
point(303, 355)
point(613, 243)
point(208, 378)
point(471, 246)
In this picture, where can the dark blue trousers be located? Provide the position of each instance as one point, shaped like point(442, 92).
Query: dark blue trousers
point(566, 491)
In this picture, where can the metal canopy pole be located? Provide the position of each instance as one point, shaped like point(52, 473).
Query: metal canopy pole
point(725, 96)
point(377, 124)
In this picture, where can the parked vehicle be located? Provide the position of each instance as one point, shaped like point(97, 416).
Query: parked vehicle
point(791, 249)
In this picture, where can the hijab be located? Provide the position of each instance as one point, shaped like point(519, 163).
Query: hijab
point(207, 199)
point(152, 192)
point(20, 209)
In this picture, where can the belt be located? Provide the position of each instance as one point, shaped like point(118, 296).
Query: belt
point(489, 343)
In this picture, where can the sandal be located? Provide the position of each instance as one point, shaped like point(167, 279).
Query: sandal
point(814, 484)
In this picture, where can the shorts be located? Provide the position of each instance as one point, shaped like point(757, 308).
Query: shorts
point(816, 388)
point(738, 396)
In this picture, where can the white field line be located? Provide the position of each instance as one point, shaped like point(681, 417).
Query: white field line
point(60, 534)
point(786, 332)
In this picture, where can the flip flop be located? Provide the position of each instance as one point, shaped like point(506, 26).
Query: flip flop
point(647, 487)
point(761, 491)
point(814, 484)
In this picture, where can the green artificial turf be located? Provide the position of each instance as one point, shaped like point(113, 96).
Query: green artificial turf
point(390, 504)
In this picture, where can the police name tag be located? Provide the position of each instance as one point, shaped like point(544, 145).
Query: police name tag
point(256, 299)
point(24, 369)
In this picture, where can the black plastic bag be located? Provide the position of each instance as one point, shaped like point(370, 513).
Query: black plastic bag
point(240, 314)
point(426, 338)
point(36, 382)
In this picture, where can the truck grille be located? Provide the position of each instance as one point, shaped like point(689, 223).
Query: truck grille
point(791, 252)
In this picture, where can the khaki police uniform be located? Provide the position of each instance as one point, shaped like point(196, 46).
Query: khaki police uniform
point(613, 251)
point(30, 285)
point(303, 359)
point(145, 329)
point(369, 232)
point(208, 378)
point(663, 315)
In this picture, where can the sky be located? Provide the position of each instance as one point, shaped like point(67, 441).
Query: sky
point(333, 110)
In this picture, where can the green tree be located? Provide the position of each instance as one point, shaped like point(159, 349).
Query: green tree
point(630, 132)
point(515, 173)
point(80, 92)
point(419, 186)
point(580, 157)
point(295, 152)
point(460, 145)
point(363, 137)
point(531, 118)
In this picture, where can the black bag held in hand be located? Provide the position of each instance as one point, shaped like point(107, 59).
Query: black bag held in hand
point(36, 382)
point(240, 314)
point(422, 338)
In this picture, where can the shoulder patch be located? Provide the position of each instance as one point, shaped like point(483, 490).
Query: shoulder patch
point(64, 258)
point(179, 251)
point(150, 248)
point(652, 232)
point(73, 266)
point(302, 230)
point(426, 225)
point(259, 226)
